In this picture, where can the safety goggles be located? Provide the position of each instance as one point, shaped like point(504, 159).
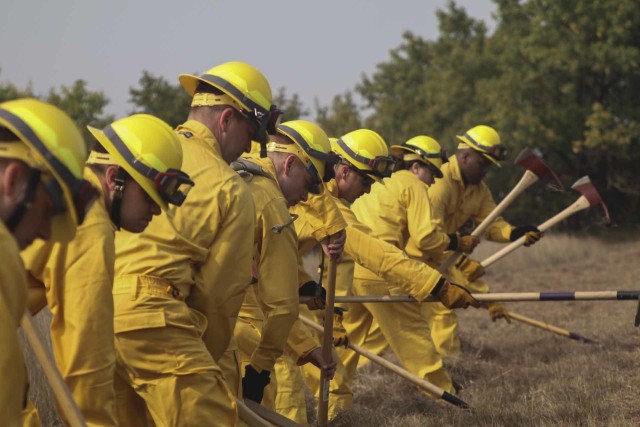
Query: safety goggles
point(497, 151)
point(84, 194)
point(442, 154)
point(172, 185)
point(329, 158)
point(381, 166)
point(367, 180)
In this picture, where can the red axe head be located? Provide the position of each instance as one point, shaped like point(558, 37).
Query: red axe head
point(528, 159)
point(588, 190)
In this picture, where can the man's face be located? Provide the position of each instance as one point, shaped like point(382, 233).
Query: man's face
point(239, 131)
point(294, 180)
point(137, 208)
point(36, 222)
point(424, 173)
point(353, 184)
point(474, 166)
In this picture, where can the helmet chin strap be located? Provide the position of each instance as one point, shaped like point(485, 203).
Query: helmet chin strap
point(116, 202)
point(24, 204)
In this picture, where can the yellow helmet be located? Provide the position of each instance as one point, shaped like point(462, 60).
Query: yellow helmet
point(486, 140)
point(424, 149)
point(366, 151)
point(57, 149)
point(245, 88)
point(311, 146)
point(150, 152)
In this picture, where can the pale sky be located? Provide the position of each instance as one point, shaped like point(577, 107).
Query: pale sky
point(313, 48)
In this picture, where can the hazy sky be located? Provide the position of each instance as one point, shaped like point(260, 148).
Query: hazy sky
point(313, 48)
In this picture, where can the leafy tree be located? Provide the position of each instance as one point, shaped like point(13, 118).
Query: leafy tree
point(292, 108)
point(343, 116)
point(156, 96)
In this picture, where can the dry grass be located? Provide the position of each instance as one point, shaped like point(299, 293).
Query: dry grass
point(516, 375)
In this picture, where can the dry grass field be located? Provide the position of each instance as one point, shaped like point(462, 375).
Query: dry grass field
point(517, 375)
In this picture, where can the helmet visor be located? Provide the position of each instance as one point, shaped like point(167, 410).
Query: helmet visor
point(173, 186)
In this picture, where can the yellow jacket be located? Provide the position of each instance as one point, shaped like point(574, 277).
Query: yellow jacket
point(274, 298)
point(13, 296)
point(318, 218)
point(205, 250)
point(453, 203)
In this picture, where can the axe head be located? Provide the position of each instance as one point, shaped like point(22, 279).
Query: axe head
point(529, 160)
point(585, 187)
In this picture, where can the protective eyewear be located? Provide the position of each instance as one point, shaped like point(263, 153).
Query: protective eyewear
point(497, 151)
point(172, 185)
point(442, 154)
point(381, 166)
point(261, 124)
point(367, 181)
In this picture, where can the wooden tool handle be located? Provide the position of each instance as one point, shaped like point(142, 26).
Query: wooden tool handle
point(327, 344)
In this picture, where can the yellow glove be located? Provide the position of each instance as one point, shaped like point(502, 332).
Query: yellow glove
point(454, 296)
point(531, 233)
point(497, 311)
point(471, 269)
point(465, 244)
point(340, 337)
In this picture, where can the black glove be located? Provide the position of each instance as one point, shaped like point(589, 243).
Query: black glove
point(319, 294)
point(253, 383)
point(530, 231)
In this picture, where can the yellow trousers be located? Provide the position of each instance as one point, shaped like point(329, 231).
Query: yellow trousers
point(162, 359)
point(404, 328)
point(285, 392)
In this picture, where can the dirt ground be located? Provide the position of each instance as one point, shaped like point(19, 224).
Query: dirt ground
point(517, 375)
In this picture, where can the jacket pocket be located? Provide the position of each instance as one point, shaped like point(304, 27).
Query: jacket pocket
point(140, 319)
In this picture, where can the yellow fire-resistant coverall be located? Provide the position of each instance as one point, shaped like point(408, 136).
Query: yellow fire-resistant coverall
point(322, 219)
point(270, 307)
point(13, 299)
point(178, 289)
point(78, 277)
point(452, 204)
point(395, 212)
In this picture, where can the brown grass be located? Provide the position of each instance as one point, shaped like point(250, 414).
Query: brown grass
point(517, 375)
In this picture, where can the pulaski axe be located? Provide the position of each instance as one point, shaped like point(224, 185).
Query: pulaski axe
point(590, 197)
point(536, 169)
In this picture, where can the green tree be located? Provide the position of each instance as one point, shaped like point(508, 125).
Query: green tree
point(343, 116)
point(292, 108)
point(156, 96)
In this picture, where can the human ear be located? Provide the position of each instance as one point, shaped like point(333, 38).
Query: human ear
point(225, 118)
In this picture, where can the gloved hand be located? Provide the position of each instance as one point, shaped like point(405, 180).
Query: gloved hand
point(497, 311)
point(319, 294)
point(340, 337)
point(471, 269)
point(454, 296)
point(530, 231)
point(328, 367)
point(253, 383)
point(465, 244)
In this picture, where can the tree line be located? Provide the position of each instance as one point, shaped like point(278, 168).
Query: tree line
point(562, 77)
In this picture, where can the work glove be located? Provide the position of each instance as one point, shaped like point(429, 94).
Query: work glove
point(464, 244)
point(453, 296)
point(471, 269)
point(328, 367)
point(253, 383)
point(497, 311)
point(340, 337)
point(530, 231)
point(318, 294)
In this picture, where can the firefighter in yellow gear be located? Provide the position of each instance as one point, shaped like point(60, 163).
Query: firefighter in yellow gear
point(364, 160)
point(179, 285)
point(43, 196)
point(462, 195)
point(135, 164)
point(298, 157)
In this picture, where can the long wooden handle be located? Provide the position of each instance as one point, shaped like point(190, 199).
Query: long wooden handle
point(501, 297)
point(254, 414)
point(327, 344)
point(577, 206)
point(425, 385)
point(550, 328)
point(528, 179)
point(59, 387)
